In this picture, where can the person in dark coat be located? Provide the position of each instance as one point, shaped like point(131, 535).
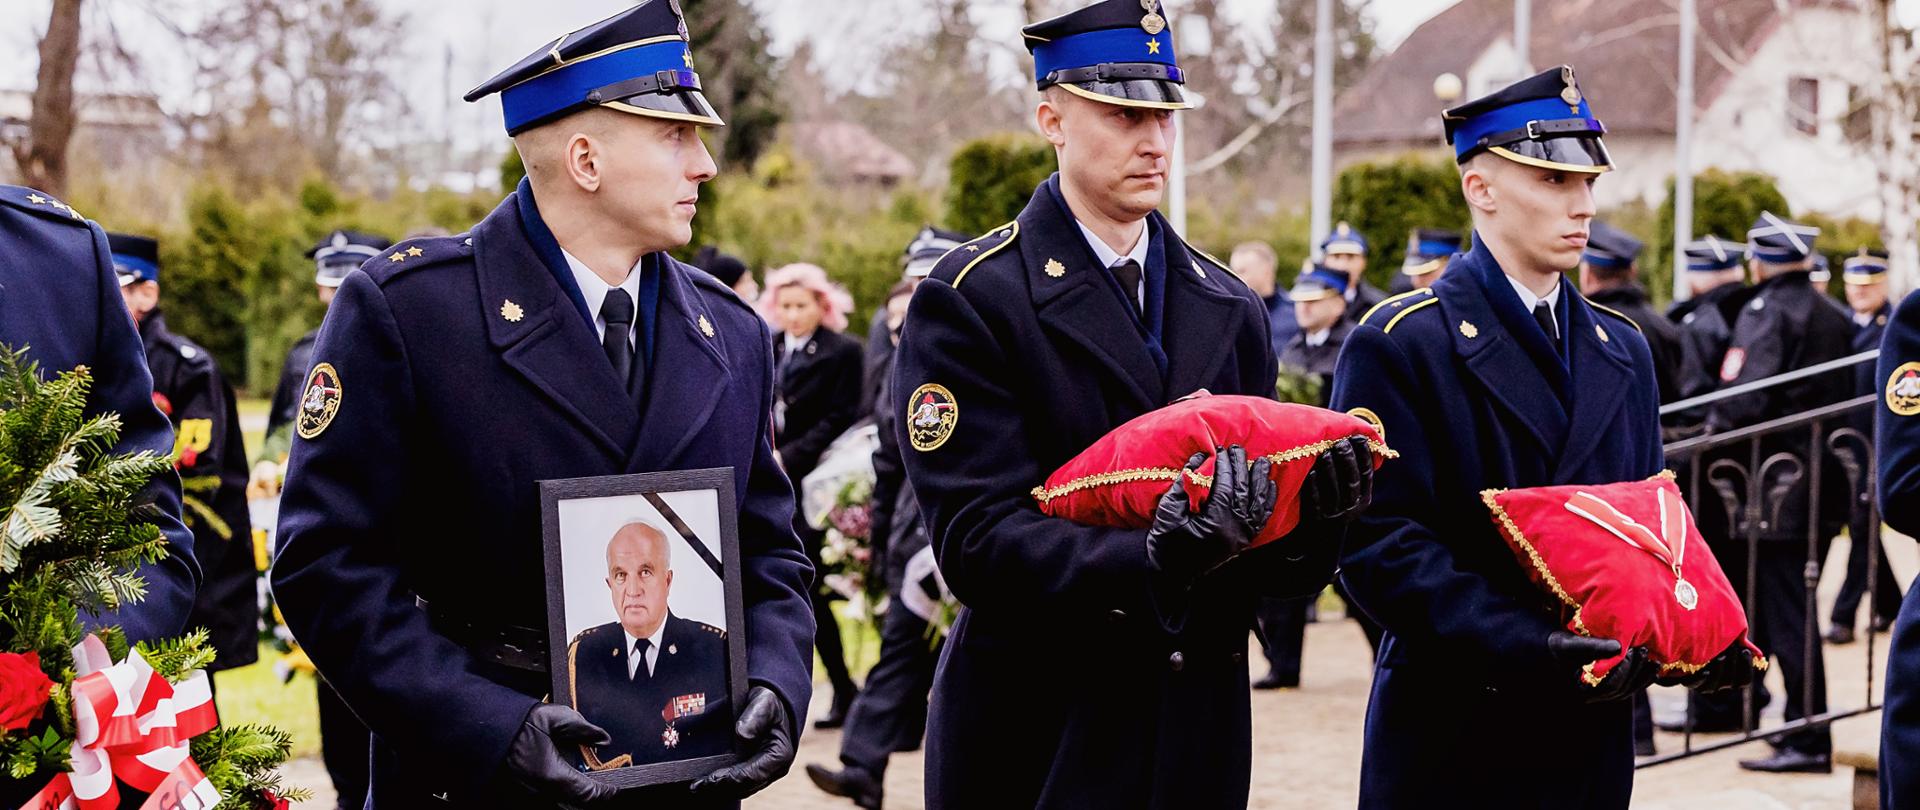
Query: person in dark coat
point(210, 455)
point(1257, 265)
point(337, 254)
point(1345, 251)
point(817, 375)
point(1320, 304)
point(1897, 444)
point(1865, 276)
point(1716, 272)
point(926, 248)
point(891, 713)
point(1609, 278)
point(60, 303)
point(655, 681)
point(556, 340)
point(1094, 666)
point(1498, 376)
point(1787, 324)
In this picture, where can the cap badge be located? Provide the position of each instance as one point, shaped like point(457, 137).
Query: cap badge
point(1153, 22)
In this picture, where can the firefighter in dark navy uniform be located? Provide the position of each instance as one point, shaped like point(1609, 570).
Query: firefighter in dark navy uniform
point(1499, 375)
point(59, 303)
point(1787, 324)
point(1093, 666)
point(210, 455)
point(1865, 276)
point(557, 340)
point(1897, 443)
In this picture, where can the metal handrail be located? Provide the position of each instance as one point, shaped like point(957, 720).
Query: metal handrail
point(1696, 443)
point(1769, 382)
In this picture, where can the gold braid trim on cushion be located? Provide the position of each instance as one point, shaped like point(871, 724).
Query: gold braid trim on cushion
point(1046, 495)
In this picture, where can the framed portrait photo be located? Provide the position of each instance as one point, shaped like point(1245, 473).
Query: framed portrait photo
point(645, 620)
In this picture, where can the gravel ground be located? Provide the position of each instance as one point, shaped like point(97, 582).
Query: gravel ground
point(1307, 742)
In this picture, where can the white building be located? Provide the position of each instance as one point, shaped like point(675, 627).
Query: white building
point(1775, 90)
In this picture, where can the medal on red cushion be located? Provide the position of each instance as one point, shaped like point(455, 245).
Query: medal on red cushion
point(1669, 547)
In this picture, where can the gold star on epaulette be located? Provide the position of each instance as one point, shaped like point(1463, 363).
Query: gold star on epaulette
point(36, 199)
point(973, 248)
point(397, 257)
point(1153, 46)
point(414, 251)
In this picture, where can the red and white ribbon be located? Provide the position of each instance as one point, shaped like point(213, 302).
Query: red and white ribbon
point(131, 725)
point(1670, 546)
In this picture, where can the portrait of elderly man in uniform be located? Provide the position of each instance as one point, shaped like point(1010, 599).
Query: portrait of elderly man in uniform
point(655, 681)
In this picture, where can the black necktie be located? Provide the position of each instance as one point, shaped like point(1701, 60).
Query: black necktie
point(617, 311)
point(1543, 315)
point(640, 671)
point(1127, 272)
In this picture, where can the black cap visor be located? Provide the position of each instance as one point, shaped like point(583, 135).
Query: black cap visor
point(1151, 94)
point(1563, 154)
point(682, 104)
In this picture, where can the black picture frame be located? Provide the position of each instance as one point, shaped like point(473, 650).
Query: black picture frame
point(719, 480)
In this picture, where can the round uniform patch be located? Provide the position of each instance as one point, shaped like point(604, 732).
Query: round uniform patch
point(1368, 416)
point(931, 416)
point(321, 401)
point(1903, 390)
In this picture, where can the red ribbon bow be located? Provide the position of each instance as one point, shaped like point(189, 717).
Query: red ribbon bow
point(132, 725)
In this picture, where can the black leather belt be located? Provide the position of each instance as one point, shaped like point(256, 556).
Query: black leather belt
point(508, 645)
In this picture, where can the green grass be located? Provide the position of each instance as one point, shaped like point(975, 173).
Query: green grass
point(254, 694)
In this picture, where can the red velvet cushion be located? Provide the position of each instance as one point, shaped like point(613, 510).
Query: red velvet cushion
point(1617, 581)
point(1118, 481)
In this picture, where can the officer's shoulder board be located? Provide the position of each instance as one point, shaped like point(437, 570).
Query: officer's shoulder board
point(718, 631)
point(1204, 261)
point(1388, 313)
point(414, 254)
point(1617, 314)
point(43, 204)
point(954, 267)
point(706, 281)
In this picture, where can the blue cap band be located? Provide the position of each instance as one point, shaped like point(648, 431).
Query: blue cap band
point(556, 90)
point(1516, 116)
point(1712, 265)
point(141, 268)
point(1436, 249)
point(1606, 261)
point(1113, 45)
point(1778, 255)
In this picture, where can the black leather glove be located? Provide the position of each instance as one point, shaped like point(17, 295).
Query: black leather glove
point(765, 725)
point(1634, 673)
point(534, 761)
point(1340, 484)
point(1731, 669)
point(1183, 544)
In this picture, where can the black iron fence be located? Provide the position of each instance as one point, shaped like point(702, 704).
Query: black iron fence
point(1761, 493)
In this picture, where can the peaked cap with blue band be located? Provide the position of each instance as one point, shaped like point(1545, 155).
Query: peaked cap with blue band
point(1540, 121)
point(1428, 250)
point(1609, 248)
point(1114, 51)
point(1317, 282)
point(1344, 240)
point(342, 252)
point(135, 258)
point(1776, 240)
point(1867, 267)
point(1713, 254)
point(638, 61)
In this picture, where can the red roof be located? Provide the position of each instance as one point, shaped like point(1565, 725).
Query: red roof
point(1625, 52)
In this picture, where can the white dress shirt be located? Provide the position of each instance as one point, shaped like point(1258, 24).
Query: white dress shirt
point(595, 292)
point(653, 650)
point(1108, 258)
point(796, 344)
point(1318, 339)
point(1529, 300)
